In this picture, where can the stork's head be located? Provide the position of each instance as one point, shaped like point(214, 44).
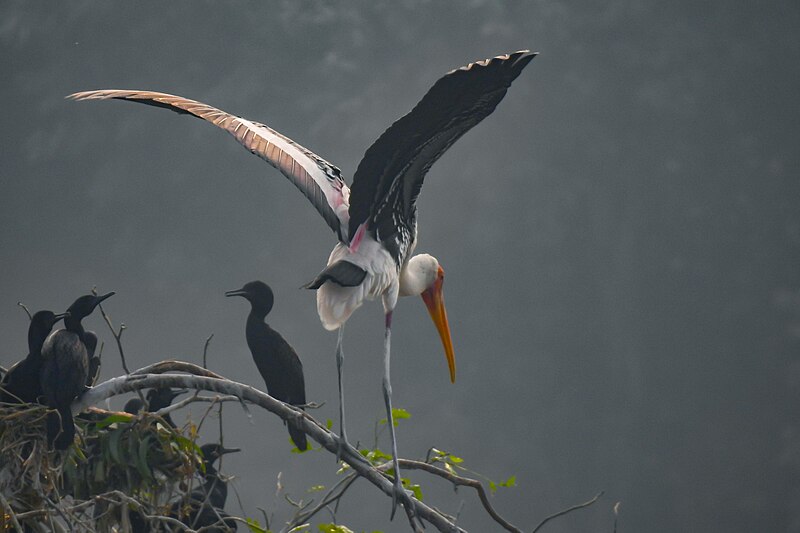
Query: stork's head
point(424, 276)
point(258, 294)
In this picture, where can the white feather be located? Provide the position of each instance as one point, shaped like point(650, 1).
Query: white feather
point(335, 303)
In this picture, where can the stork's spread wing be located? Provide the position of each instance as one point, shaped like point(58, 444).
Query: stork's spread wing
point(318, 180)
point(389, 178)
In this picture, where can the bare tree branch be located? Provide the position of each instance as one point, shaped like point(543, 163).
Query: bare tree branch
point(314, 429)
point(205, 350)
point(565, 511)
point(173, 365)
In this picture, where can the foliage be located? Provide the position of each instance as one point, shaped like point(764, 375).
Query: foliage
point(121, 464)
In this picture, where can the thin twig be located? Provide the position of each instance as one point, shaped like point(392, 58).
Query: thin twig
point(27, 311)
point(456, 480)
point(302, 517)
point(10, 513)
point(194, 399)
point(565, 511)
point(117, 335)
point(205, 351)
point(118, 338)
point(616, 515)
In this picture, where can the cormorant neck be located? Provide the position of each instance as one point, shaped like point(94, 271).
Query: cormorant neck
point(74, 325)
point(35, 342)
point(211, 472)
point(257, 313)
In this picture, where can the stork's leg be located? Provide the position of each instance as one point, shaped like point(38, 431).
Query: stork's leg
point(339, 363)
point(399, 492)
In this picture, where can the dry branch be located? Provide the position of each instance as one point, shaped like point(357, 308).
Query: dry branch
point(137, 381)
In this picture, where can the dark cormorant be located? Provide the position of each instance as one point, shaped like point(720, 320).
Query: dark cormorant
point(65, 368)
point(21, 383)
point(156, 399)
point(276, 360)
point(205, 504)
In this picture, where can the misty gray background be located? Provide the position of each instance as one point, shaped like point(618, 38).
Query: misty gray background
point(621, 238)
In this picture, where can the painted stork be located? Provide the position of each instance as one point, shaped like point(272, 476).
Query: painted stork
point(375, 221)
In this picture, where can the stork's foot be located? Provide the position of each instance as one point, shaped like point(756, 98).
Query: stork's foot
point(401, 495)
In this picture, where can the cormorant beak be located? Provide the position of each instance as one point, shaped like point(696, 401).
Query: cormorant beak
point(59, 317)
point(434, 301)
point(105, 297)
point(175, 393)
point(223, 451)
point(237, 292)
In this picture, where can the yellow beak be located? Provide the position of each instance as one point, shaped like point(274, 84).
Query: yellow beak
point(434, 301)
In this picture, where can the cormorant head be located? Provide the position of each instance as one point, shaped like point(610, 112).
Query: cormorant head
point(160, 398)
point(212, 452)
point(42, 323)
point(83, 306)
point(133, 406)
point(258, 294)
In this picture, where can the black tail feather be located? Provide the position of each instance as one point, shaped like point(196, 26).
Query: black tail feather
point(342, 273)
point(60, 429)
point(298, 435)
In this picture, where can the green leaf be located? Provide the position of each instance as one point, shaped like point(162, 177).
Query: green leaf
point(254, 526)
point(455, 460)
point(77, 451)
point(493, 486)
point(333, 528)
point(113, 419)
point(510, 482)
point(400, 413)
point(329, 424)
point(141, 460)
point(114, 448)
point(413, 487)
point(316, 488)
point(397, 414)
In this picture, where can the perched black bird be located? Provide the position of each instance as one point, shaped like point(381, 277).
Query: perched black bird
point(65, 369)
point(157, 399)
point(21, 383)
point(204, 505)
point(276, 360)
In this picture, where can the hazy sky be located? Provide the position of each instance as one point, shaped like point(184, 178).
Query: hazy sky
point(621, 237)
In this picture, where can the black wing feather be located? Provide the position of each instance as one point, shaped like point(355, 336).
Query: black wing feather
point(389, 177)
